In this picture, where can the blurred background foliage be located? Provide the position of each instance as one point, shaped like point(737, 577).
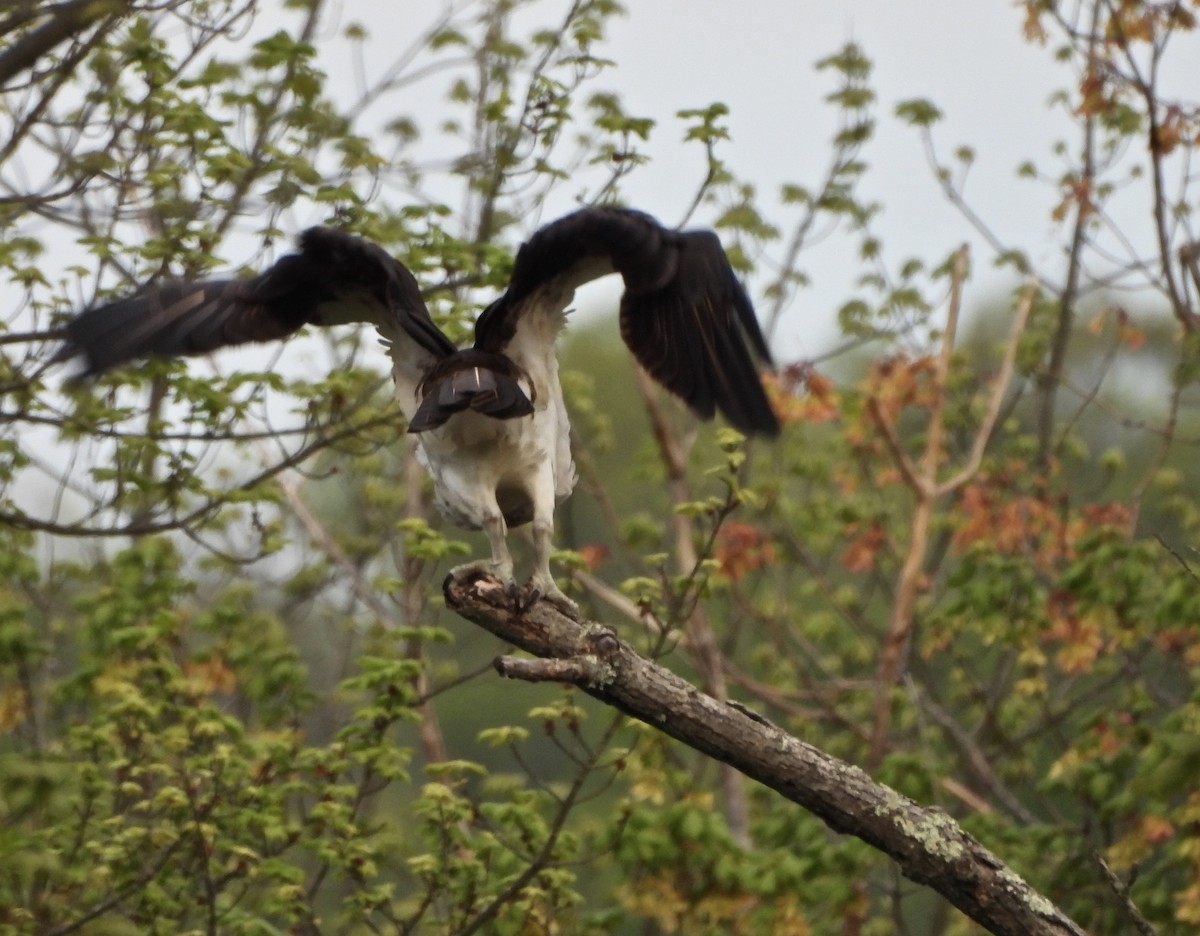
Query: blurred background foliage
point(230, 698)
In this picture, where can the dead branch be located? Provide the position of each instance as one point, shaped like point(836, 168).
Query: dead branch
point(927, 845)
point(999, 389)
point(59, 22)
point(1121, 890)
point(922, 478)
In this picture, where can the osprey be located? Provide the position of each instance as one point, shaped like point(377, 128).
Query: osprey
point(490, 420)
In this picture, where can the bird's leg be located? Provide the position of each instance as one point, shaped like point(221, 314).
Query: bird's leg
point(543, 542)
point(501, 563)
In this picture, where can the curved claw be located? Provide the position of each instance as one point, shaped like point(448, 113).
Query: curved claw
point(546, 589)
point(524, 604)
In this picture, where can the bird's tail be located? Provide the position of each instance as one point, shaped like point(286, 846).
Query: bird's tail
point(471, 380)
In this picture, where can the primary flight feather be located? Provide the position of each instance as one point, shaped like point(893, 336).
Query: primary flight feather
point(490, 420)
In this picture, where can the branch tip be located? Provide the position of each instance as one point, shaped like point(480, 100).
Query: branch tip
point(575, 670)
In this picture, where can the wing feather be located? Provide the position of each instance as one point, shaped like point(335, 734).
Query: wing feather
point(695, 336)
point(334, 278)
point(684, 315)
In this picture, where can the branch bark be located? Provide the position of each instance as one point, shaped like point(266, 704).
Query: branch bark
point(60, 22)
point(928, 846)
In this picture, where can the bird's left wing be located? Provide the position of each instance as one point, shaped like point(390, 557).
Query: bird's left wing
point(333, 279)
point(684, 315)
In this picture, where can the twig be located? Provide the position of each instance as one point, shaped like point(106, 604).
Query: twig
point(1122, 891)
point(64, 21)
point(896, 449)
point(1178, 558)
point(999, 388)
point(1052, 376)
point(47, 334)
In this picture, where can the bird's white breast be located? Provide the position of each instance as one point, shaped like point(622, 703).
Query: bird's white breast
point(475, 460)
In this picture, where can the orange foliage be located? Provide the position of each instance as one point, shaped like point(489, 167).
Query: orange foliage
point(1008, 521)
point(1032, 27)
point(991, 511)
point(594, 555)
point(900, 381)
point(210, 676)
point(1082, 637)
point(1077, 192)
point(742, 548)
point(1111, 514)
point(892, 384)
point(1127, 333)
point(1157, 829)
point(801, 394)
point(1136, 844)
point(1092, 96)
point(1109, 741)
point(994, 512)
point(861, 553)
point(1132, 22)
point(847, 479)
point(1168, 134)
point(1180, 642)
point(888, 476)
point(14, 708)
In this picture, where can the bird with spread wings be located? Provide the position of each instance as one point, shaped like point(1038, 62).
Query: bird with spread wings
point(490, 420)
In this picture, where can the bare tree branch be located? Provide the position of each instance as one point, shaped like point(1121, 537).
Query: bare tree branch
point(1121, 889)
point(927, 845)
point(62, 21)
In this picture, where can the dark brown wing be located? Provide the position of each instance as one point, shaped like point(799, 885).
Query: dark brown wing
point(695, 334)
point(684, 315)
point(335, 278)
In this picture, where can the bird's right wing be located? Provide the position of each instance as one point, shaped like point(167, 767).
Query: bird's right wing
point(684, 315)
point(334, 278)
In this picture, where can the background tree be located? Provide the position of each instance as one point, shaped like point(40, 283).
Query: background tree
point(231, 699)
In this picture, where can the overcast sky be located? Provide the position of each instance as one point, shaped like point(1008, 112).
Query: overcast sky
point(758, 58)
point(967, 56)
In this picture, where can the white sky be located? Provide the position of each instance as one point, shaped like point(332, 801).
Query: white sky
point(966, 56)
point(758, 57)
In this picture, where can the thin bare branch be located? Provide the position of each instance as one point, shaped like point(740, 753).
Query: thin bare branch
point(1000, 387)
point(61, 21)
